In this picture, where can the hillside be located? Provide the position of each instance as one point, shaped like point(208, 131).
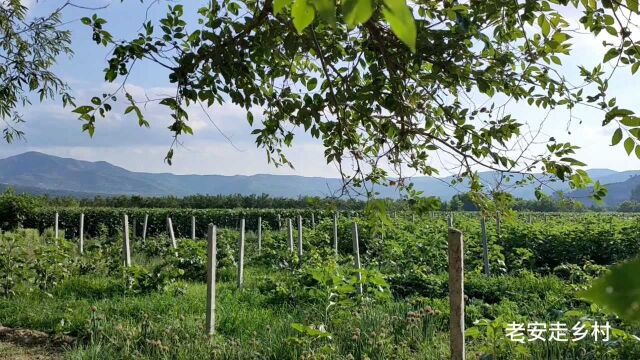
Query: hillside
point(41, 173)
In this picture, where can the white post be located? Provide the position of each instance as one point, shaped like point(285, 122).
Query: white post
point(241, 255)
point(300, 252)
point(56, 227)
point(279, 222)
point(456, 294)
point(356, 255)
point(171, 234)
point(290, 235)
point(193, 228)
point(211, 280)
point(313, 221)
point(259, 234)
point(485, 248)
point(81, 234)
point(144, 229)
point(335, 232)
point(126, 248)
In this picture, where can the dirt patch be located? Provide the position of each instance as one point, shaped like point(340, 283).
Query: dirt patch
point(17, 352)
point(23, 344)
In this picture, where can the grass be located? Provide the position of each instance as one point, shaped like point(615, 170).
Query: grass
point(281, 314)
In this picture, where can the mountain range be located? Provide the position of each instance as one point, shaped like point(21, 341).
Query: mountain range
point(39, 173)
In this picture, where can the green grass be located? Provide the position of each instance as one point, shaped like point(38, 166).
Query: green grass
point(256, 322)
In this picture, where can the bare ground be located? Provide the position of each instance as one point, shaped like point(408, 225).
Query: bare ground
point(23, 344)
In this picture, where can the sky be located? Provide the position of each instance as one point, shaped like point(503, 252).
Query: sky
point(118, 139)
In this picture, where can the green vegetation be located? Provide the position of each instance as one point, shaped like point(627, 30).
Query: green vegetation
point(308, 308)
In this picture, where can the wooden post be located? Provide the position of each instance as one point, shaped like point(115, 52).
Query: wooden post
point(300, 252)
point(259, 234)
point(356, 256)
point(193, 227)
point(144, 229)
point(211, 280)
point(81, 234)
point(171, 234)
point(126, 249)
point(55, 231)
point(335, 232)
point(456, 294)
point(241, 255)
point(485, 247)
point(290, 235)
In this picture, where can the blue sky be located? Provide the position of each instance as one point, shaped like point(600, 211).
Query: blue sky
point(118, 139)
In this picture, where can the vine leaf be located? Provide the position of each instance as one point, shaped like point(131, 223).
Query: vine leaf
point(400, 18)
point(618, 290)
point(302, 14)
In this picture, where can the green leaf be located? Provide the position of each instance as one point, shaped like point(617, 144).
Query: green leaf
point(326, 10)
point(85, 20)
point(618, 290)
point(83, 109)
point(632, 5)
point(302, 14)
point(634, 67)
point(617, 136)
point(629, 145)
point(612, 53)
point(638, 152)
point(630, 121)
point(400, 18)
point(312, 83)
point(279, 5)
point(357, 11)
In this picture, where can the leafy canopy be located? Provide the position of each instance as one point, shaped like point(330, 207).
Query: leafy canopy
point(28, 50)
point(386, 85)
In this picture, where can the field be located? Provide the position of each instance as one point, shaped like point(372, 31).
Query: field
point(308, 307)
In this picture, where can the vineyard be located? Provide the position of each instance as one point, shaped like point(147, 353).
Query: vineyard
point(280, 300)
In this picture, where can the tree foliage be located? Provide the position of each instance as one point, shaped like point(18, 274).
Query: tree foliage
point(387, 86)
point(28, 50)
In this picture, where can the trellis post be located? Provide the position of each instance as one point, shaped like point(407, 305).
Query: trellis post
point(211, 280)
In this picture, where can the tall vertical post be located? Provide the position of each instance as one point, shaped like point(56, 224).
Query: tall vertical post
point(81, 242)
point(171, 234)
point(144, 229)
point(211, 280)
point(55, 231)
point(279, 222)
point(485, 247)
point(313, 221)
point(300, 252)
point(259, 234)
point(335, 232)
point(290, 235)
point(193, 227)
point(126, 249)
point(356, 256)
point(456, 294)
point(498, 223)
point(241, 255)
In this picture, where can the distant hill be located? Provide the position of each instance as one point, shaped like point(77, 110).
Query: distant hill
point(41, 173)
point(617, 192)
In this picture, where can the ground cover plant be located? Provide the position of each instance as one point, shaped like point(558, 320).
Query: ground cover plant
point(308, 307)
